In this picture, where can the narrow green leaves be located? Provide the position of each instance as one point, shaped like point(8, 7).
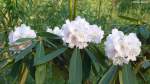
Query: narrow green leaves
point(109, 76)
point(25, 52)
point(128, 76)
point(50, 56)
point(93, 59)
point(129, 18)
point(75, 69)
point(4, 64)
point(40, 73)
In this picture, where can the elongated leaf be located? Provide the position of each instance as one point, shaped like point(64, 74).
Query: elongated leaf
point(40, 73)
point(3, 64)
point(15, 69)
point(50, 56)
point(128, 76)
point(49, 77)
point(86, 66)
point(109, 76)
point(48, 35)
point(128, 18)
point(24, 53)
point(23, 40)
point(49, 42)
point(75, 69)
point(93, 59)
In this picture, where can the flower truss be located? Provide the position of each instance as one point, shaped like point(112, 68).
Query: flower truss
point(122, 48)
point(78, 33)
point(20, 32)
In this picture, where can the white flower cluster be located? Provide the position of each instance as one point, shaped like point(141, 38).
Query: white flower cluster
point(122, 48)
point(20, 32)
point(79, 33)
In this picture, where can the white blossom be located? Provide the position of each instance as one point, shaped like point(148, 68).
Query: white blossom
point(95, 34)
point(20, 32)
point(79, 33)
point(132, 46)
point(122, 48)
point(56, 31)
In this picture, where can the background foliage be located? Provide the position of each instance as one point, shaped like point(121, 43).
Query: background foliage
point(126, 15)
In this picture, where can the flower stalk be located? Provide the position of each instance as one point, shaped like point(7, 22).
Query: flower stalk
point(72, 9)
point(24, 74)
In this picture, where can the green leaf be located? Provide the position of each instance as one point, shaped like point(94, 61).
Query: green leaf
point(25, 52)
point(93, 59)
point(3, 64)
point(48, 35)
point(23, 40)
point(50, 72)
point(86, 61)
point(128, 18)
point(75, 68)
point(49, 42)
point(128, 76)
point(109, 75)
point(146, 64)
point(144, 33)
point(40, 73)
point(15, 69)
point(50, 56)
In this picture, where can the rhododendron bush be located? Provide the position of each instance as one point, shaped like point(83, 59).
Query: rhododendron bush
point(56, 42)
